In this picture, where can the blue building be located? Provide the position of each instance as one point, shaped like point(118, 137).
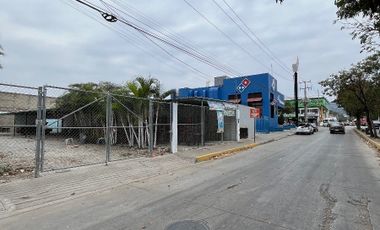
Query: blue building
point(259, 91)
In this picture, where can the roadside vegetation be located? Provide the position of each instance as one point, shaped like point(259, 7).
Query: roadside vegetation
point(361, 18)
point(357, 90)
point(130, 108)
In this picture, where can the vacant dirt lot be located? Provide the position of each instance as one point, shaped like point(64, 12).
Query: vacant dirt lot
point(18, 153)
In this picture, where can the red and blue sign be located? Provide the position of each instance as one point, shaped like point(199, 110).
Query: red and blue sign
point(243, 85)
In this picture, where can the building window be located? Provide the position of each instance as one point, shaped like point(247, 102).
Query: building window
point(234, 98)
point(5, 130)
point(272, 106)
point(255, 100)
point(243, 133)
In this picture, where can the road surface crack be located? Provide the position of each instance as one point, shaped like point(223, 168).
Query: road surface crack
point(328, 215)
point(6, 206)
point(237, 184)
point(362, 207)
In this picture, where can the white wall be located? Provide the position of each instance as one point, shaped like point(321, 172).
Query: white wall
point(246, 121)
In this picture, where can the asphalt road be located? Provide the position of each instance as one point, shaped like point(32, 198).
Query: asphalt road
point(320, 181)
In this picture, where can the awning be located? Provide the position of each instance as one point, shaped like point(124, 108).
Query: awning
point(213, 105)
point(255, 99)
point(235, 101)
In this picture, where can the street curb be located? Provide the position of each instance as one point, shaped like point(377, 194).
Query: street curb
point(365, 137)
point(233, 151)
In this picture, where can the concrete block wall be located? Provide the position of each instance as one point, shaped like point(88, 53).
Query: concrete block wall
point(14, 102)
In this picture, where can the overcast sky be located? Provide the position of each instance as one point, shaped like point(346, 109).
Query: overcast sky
point(49, 42)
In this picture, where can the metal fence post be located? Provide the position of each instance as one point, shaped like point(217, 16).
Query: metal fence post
point(150, 143)
point(174, 127)
point(38, 133)
point(254, 130)
point(202, 124)
point(43, 128)
point(237, 123)
point(108, 127)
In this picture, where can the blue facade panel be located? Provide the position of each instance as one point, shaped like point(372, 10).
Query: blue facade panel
point(243, 87)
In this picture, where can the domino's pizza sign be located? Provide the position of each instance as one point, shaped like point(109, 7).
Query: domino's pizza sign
point(243, 85)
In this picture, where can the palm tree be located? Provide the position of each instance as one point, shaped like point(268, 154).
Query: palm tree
point(143, 88)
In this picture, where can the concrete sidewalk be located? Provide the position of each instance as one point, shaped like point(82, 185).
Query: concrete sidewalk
point(23, 195)
point(375, 142)
point(191, 154)
point(20, 196)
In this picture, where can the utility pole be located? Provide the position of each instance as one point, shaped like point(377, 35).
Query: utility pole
point(320, 112)
point(305, 88)
point(295, 70)
point(1, 54)
point(296, 96)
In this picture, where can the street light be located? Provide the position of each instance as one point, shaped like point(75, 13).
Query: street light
point(295, 70)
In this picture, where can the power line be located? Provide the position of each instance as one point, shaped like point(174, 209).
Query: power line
point(128, 37)
point(266, 48)
point(229, 37)
point(179, 45)
point(177, 38)
point(167, 52)
point(222, 32)
point(250, 37)
point(112, 18)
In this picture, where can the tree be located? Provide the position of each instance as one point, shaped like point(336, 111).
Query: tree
point(351, 104)
point(365, 23)
point(357, 89)
point(289, 107)
point(85, 106)
point(143, 88)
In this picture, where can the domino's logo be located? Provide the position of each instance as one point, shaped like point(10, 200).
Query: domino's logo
point(240, 87)
point(243, 85)
point(246, 82)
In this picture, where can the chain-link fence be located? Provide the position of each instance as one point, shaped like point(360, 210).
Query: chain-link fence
point(189, 124)
point(53, 128)
point(74, 130)
point(17, 128)
point(198, 123)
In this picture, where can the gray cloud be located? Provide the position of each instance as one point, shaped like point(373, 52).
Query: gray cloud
point(48, 42)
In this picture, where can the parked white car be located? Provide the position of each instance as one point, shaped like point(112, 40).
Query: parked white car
point(305, 129)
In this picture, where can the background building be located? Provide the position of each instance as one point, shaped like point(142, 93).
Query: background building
point(259, 91)
point(21, 104)
point(317, 109)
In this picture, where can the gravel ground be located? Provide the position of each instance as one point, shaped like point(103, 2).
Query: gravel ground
point(18, 153)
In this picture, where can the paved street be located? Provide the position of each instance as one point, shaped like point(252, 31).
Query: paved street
point(321, 181)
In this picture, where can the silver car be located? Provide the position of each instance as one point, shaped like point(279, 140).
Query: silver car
point(305, 129)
